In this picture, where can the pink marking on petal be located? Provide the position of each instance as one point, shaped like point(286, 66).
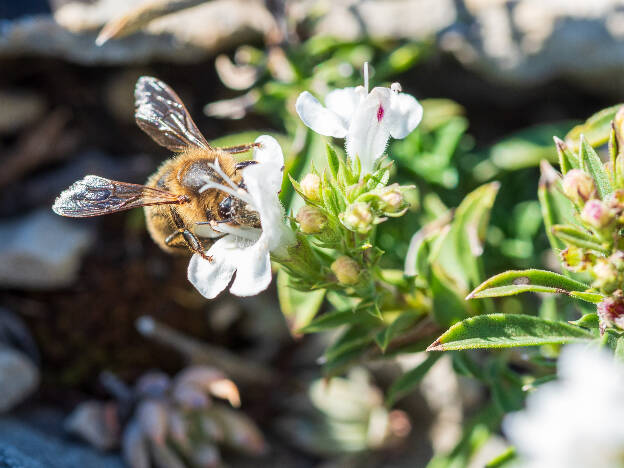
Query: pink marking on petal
point(380, 113)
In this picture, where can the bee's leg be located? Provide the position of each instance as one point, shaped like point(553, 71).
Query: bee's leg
point(244, 164)
point(240, 148)
point(191, 239)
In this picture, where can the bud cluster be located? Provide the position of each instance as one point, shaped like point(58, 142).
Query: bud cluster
point(342, 208)
point(594, 244)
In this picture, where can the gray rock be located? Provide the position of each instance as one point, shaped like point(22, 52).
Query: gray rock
point(529, 41)
point(19, 378)
point(41, 250)
point(180, 38)
point(35, 440)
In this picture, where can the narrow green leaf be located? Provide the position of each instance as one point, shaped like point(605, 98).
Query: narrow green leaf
point(448, 305)
point(576, 236)
point(591, 297)
point(460, 256)
point(398, 326)
point(333, 161)
point(298, 307)
point(591, 163)
point(556, 208)
point(503, 459)
point(567, 159)
point(408, 381)
point(507, 331)
point(338, 318)
point(514, 282)
point(596, 129)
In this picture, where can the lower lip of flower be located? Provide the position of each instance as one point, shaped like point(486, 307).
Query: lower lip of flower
point(380, 113)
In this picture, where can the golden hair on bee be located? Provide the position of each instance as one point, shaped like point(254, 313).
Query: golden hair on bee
point(189, 192)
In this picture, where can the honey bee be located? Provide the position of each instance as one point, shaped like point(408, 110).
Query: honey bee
point(187, 196)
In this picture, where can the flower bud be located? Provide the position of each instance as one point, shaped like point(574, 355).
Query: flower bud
point(346, 269)
point(576, 259)
point(606, 276)
point(615, 202)
point(578, 186)
point(311, 186)
point(311, 220)
point(611, 312)
point(391, 200)
point(596, 214)
point(358, 217)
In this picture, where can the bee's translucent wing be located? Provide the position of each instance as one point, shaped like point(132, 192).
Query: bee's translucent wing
point(161, 114)
point(94, 196)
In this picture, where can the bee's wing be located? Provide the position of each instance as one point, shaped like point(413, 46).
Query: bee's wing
point(94, 196)
point(161, 114)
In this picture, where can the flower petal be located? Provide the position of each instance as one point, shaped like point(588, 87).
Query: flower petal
point(344, 102)
point(263, 188)
point(403, 115)
point(319, 118)
point(254, 270)
point(271, 159)
point(210, 278)
point(367, 137)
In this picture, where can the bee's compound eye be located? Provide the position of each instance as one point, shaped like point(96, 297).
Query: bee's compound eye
point(225, 207)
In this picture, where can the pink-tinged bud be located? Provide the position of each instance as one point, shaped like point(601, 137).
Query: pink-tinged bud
point(596, 214)
point(358, 217)
point(311, 220)
point(578, 186)
point(347, 270)
point(611, 312)
point(311, 186)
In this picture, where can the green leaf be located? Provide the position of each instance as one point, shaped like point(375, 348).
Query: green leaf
point(527, 147)
point(298, 307)
point(338, 318)
point(514, 282)
point(333, 161)
point(596, 129)
point(462, 249)
point(503, 459)
point(408, 381)
point(589, 321)
point(507, 331)
point(398, 326)
point(556, 208)
point(448, 305)
point(567, 159)
point(592, 164)
point(576, 236)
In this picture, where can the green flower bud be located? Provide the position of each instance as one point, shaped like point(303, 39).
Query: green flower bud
point(578, 186)
point(358, 217)
point(311, 220)
point(311, 186)
point(597, 214)
point(391, 200)
point(346, 269)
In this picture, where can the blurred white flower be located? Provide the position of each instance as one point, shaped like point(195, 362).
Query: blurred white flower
point(576, 421)
point(366, 120)
point(244, 250)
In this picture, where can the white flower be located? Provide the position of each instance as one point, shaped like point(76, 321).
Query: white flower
point(244, 250)
point(576, 421)
point(366, 120)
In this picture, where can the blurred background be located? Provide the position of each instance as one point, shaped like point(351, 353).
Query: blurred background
point(96, 320)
